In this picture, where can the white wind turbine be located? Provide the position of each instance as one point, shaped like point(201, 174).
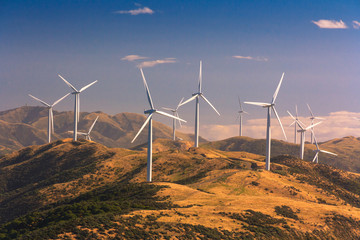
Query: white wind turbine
point(50, 115)
point(176, 114)
point(318, 150)
point(295, 123)
point(87, 135)
point(302, 131)
point(77, 103)
point(151, 112)
point(270, 106)
point(241, 111)
point(312, 118)
point(197, 109)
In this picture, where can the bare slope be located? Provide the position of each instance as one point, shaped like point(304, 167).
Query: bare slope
point(83, 189)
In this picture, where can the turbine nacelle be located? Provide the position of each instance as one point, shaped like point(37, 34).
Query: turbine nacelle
point(150, 111)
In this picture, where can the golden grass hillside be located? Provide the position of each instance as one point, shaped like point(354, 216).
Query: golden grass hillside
point(82, 189)
point(347, 148)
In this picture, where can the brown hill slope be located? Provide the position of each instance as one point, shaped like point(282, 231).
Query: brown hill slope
point(27, 126)
point(347, 148)
point(82, 189)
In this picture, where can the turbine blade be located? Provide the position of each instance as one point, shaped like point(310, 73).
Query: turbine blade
point(92, 126)
point(277, 116)
point(246, 113)
point(88, 85)
point(210, 104)
point(70, 131)
point(78, 107)
point(39, 100)
point(240, 104)
point(177, 115)
point(82, 133)
point(328, 152)
point(298, 123)
point(52, 120)
point(319, 118)
point(259, 104)
point(200, 77)
point(292, 123)
point(142, 127)
point(278, 88)
point(56, 102)
point(317, 153)
point(179, 104)
point(316, 143)
point(169, 109)
point(147, 90)
point(189, 100)
point(313, 125)
point(89, 138)
point(310, 110)
point(296, 111)
point(67, 83)
point(169, 115)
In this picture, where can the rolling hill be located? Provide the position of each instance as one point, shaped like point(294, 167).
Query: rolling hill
point(347, 148)
point(85, 190)
point(26, 126)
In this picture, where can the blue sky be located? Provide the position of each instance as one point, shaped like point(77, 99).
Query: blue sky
point(87, 40)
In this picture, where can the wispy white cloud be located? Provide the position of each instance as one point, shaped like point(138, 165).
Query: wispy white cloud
point(156, 62)
point(336, 125)
point(331, 24)
point(144, 10)
point(262, 59)
point(132, 58)
point(356, 24)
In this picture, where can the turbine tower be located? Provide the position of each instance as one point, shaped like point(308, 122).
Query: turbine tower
point(77, 103)
point(270, 106)
point(50, 115)
point(295, 123)
point(318, 150)
point(151, 112)
point(241, 111)
point(87, 135)
point(302, 132)
point(196, 96)
point(176, 114)
point(312, 118)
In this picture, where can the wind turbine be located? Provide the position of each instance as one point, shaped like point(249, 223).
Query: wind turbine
point(312, 118)
point(270, 106)
point(87, 135)
point(176, 114)
point(50, 115)
point(318, 150)
point(302, 131)
point(77, 103)
point(151, 112)
point(197, 109)
point(295, 123)
point(241, 111)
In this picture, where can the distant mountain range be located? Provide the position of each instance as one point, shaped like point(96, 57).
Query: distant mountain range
point(84, 190)
point(26, 126)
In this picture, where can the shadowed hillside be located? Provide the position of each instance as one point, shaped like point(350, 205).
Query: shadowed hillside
point(85, 190)
point(347, 148)
point(26, 126)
